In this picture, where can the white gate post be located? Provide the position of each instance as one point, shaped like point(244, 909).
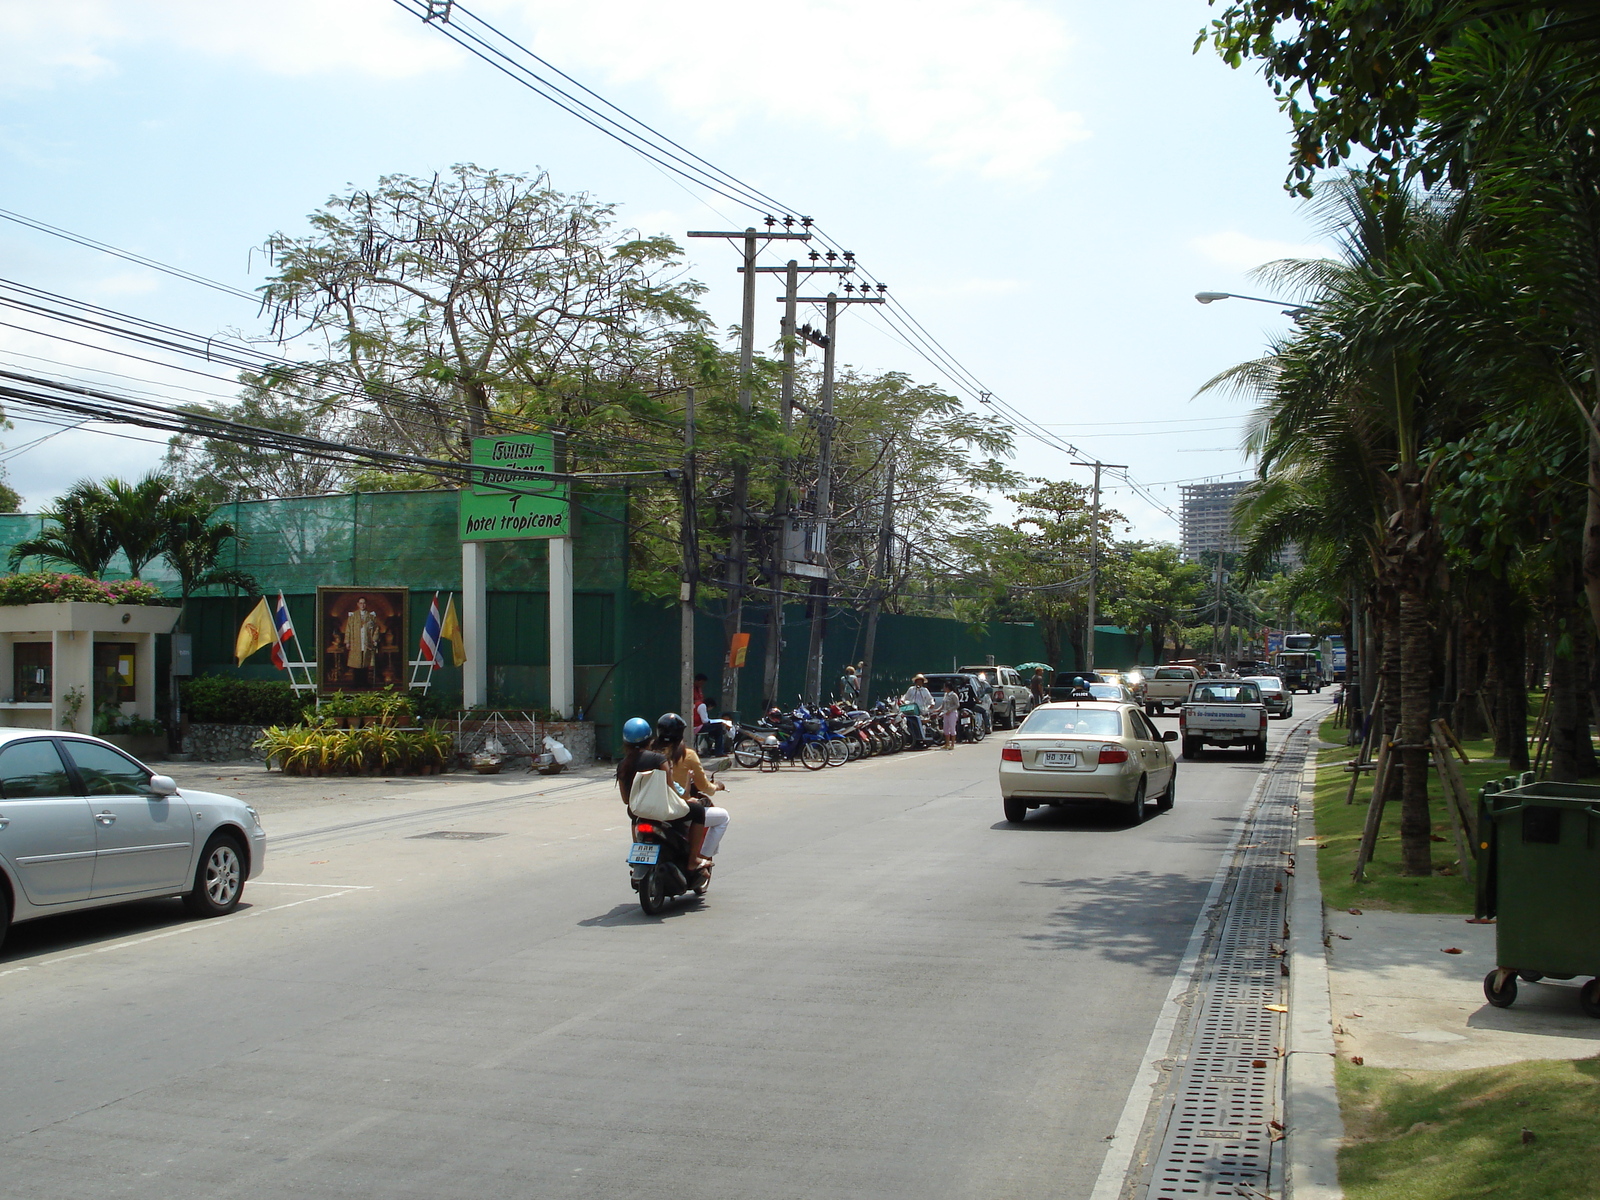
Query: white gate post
point(561, 673)
point(475, 624)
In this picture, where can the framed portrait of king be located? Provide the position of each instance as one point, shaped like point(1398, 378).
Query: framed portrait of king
point(362, 638)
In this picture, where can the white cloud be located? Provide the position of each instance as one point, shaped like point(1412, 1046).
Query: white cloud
point(964, 84)
point(1241, 252)
point(43, 44)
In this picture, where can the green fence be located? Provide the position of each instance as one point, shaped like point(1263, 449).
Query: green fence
point(626, 647)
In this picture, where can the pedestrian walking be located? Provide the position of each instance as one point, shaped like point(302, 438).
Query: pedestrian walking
point(850, 687)
point(1038, 686)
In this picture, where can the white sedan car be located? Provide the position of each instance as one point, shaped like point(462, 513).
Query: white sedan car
point(1087, 751)
point(82, 825)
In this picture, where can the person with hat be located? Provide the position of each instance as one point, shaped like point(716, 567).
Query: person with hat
point(919, 695)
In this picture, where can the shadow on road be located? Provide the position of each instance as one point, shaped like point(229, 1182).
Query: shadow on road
point(632, 914)
point(1143, 918)
point(1076, 818)
point(74, 931)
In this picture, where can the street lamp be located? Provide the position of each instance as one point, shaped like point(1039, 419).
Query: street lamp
point(1208, 297)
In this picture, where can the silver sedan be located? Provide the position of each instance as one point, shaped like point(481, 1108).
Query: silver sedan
point(1278, 699)
point(82, 825)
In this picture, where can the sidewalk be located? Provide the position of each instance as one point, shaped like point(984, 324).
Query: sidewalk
point(1400, 1001)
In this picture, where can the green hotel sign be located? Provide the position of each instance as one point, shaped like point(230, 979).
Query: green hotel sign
point(500, 506)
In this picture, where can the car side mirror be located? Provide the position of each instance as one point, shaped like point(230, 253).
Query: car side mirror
point(1170, 735)
point(163, 785)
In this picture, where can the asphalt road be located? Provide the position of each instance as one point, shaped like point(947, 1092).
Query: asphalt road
point(888, 993)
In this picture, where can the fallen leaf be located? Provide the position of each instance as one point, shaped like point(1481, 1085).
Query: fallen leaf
point(1354, 912)
point(1480, 920)
point(1357, 1061)
point(1276, 1124)
point(1278, 888)
point(1452, 950)
point(1277, 1008)
point(1528, 1137)
point(1345, 936)
point(1436, 837)
point(1259, 1064)
point(1358, 1014)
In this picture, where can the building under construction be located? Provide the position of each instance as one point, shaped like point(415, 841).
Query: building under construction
point(1208, 518)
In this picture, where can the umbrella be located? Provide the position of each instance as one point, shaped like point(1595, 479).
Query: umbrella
point(1026, 668)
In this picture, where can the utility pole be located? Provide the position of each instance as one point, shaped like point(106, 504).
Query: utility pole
point(738, 570)
point(689, 539)
point(1094, 553)
point(880, 572)
point(824, 493)
point(789, 338)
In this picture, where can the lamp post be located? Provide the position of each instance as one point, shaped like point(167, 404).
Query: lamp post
point(1294, 310)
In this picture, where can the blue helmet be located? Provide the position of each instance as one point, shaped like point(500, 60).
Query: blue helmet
point(636, 731)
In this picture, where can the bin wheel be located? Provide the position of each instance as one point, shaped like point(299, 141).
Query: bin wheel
point(1589, 998)
point(1503, 997)
point(1529, 976)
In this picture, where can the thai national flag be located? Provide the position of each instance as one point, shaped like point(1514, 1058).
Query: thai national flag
point(280, 618)
point(428, 652)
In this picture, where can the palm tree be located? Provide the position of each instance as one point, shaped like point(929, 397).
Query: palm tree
point(193, 545)
point(76, 535)
point(1354, 402)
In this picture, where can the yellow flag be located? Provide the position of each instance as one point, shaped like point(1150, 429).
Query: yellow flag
point(256, 632)
point(450, 630)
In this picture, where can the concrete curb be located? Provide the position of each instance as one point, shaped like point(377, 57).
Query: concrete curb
point(1314, 1127)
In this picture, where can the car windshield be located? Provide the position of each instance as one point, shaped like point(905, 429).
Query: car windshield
point(1094, 722)
point(1106, 691)
point(1228, 693)
point(1267, 683)
point(1175, 674)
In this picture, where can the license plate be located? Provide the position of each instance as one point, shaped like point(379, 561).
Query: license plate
point(1059, 758)
point(646, 853)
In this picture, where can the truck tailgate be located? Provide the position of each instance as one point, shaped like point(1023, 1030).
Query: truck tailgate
point(1222, 716)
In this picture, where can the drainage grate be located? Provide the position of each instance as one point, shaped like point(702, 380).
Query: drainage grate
point(1218, 1137)
point(456, 835)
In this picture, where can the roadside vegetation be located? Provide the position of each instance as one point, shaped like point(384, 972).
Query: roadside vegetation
point(1520, 1132)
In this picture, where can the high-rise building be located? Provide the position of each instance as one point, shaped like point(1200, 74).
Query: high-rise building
point(1208, 518)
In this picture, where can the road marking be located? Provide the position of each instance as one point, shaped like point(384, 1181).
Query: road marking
point(191, 927)
point(349, 887)
point(1125, 1138)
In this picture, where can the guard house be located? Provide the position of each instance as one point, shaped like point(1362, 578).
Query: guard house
point(61, 662)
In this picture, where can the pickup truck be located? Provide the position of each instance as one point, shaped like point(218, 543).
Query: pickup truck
point(1167, 687)
point(1224, 712)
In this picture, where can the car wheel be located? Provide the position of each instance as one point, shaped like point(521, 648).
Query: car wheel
point(219, 879)
point(1258, 752)
point(1191, 747)
point(1171, 794)
point(5, 916)
point(1011, 716)
point(1016, 810)
point(1138, 814)
point(1589, 998)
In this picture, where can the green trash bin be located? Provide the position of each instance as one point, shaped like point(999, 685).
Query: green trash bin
point(1539, 877)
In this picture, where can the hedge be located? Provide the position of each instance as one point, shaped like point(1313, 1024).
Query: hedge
point(217, 699)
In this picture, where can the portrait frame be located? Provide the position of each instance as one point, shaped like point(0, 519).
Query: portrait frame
point(379, 658)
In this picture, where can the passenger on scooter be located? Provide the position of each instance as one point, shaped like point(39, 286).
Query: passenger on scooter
point(636, 733)
point(684, 769)
point(919, 695)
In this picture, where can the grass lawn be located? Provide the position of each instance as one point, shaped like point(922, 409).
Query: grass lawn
point(1339, 830)
point(1445, 1135)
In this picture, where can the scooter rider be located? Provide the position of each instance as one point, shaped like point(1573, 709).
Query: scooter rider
point(689, 777)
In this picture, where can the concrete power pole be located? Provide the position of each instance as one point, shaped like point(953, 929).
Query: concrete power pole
point(824, 494)
point(690, 541)
point(738, 568)
point(1094, 554)
point(792, 271)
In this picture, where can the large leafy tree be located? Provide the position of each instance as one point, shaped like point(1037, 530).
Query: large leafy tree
point(479, 297)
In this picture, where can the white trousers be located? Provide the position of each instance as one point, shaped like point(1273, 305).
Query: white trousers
point(716, 823)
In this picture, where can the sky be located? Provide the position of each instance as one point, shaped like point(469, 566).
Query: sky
point(1044, 184)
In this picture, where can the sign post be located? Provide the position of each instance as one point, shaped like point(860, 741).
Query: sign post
point(500, 506)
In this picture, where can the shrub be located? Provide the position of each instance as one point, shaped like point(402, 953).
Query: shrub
point(225, 701)
point(47, 587)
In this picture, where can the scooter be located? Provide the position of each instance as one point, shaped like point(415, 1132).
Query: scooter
point(659, 863)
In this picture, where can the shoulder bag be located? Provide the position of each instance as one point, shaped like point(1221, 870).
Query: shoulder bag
point(653, 797)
